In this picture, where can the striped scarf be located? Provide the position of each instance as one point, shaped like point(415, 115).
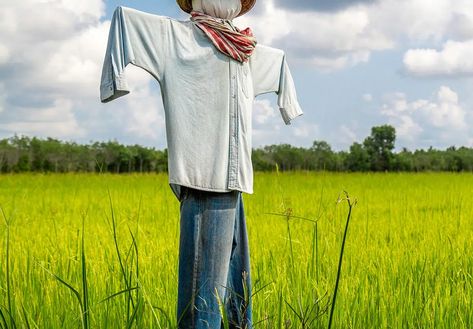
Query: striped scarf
point(227, 38)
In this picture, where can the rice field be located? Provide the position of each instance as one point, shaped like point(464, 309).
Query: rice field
point(100, 251)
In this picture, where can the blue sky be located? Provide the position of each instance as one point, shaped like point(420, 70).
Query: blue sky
point(355, 63)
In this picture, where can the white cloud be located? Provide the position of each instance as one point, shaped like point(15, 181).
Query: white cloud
point(8, 22)
point(270, 16)
point(2, 97)
point(461, 25)
point(50, 63)
point(341, 137)
point(263, 111)
point(347, 134)
point(51, 72)
point(267, 123)
point(438, 122)
point(416, 20)
point(75, 65)
point(447, 30)
point(324, 40)
point(34, 22)
point(407, 128)
point(56, 121)
point(306, 130)
point(51, 52)
point(87, 10)
point(332, 40)
point(144, 115)
point(455, 58)
point(4, 54)
point(367, 97)
point(269, 127)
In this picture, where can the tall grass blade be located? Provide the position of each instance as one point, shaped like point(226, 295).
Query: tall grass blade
point(133, 315)
point(3, 321)
point(9, 304)
point(259, 289)
point(85, 292)
point(340, 259)
point(117, 294)
point(128, 296)
point(299, 316)
point(26, 318)
point(280, 309)
point(134, 245)
point(168, 319)
point(148, 300)
point(223, 312)
point(71, 288)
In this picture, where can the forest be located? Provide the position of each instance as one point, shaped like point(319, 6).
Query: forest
point(376, 153)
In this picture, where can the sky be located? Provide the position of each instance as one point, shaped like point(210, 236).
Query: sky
point(355, 63)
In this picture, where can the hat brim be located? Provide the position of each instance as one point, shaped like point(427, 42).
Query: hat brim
point(246, 5)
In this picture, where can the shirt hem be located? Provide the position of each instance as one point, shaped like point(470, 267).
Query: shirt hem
point(212, 189)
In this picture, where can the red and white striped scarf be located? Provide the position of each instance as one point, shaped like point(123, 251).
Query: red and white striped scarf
point(227, 38)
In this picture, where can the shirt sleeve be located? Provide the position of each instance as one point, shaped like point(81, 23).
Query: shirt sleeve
point(135, 37)
point(271, 73)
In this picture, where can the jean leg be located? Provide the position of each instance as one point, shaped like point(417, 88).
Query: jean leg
point(238, 299)
point(206, 229)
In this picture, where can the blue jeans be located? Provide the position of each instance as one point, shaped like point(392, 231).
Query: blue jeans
point(214, 261)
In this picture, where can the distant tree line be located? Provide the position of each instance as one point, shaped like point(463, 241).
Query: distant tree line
point(375, 153)
point(23, 154)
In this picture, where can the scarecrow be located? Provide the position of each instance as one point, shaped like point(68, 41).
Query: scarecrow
point(209, 72)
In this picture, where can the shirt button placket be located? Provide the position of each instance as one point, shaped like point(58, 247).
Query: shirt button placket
point(233, 159)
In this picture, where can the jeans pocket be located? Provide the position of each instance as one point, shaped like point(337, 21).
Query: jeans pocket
point(184, 194)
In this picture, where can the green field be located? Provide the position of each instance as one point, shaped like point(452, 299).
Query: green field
point(407, 264)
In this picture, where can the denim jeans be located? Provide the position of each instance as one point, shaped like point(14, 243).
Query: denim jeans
point(214, 261)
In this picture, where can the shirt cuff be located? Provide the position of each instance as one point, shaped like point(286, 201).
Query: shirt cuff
point(290, 111)
point(113, 89)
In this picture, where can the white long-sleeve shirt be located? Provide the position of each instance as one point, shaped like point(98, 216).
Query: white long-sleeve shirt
point(207, 96)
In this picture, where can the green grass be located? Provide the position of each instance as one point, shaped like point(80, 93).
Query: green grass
point(100, 251)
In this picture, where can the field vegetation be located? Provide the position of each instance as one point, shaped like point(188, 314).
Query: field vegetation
point(100, 250)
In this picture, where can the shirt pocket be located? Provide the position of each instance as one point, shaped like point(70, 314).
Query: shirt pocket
point(244, 81)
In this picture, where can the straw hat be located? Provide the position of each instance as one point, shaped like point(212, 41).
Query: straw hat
point(246, 5)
